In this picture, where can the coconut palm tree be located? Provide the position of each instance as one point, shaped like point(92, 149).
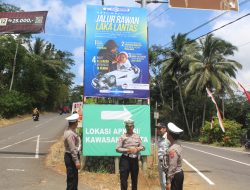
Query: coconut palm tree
point(178, 56)
point(212, 68)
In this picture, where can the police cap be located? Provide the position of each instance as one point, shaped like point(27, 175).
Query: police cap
point(174, 129)
point(161, 125)
point(129, 122)
point(73, 118)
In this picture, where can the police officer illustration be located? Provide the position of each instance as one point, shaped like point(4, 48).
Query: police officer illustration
point(163, 145)
point(129, 145)
point(72, 156)
point(173, 159)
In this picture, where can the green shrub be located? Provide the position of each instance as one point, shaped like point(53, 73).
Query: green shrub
point(13, 103)
point(231, 137)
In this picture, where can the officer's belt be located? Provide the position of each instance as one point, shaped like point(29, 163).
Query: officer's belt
point(130, 155)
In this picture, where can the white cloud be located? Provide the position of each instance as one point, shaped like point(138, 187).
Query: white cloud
point(79, 60)
point(78, 52)
point(237, 34)
point(81, 69)
point(77, 19)
point(78, 70)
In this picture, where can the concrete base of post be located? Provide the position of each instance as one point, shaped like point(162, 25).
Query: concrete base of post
point(144, 163)
point(117, 165)
point(83, 162)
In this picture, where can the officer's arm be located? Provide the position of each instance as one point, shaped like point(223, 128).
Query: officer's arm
point(140, 147)
point(172, 165)
point(120, 147)
point(73, 149)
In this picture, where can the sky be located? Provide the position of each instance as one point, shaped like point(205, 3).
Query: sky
point(65, 27)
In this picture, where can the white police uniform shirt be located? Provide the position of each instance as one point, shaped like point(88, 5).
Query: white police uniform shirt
point(174, 160)
point(163, 145)
point(127, 141)
point(71, 144)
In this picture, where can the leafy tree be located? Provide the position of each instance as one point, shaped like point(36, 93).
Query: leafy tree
point(4, 7)
point(13, 103)
point(76, 94)
point(53, 72)
point(212, 69)
point(176, 64)
point(238, 109)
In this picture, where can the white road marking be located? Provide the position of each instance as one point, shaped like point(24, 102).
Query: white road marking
point(55, 117)
point(52, 141)
point(218, 156)
point(218, 147)
point(44, 122)
point(37, 147)
point(18, 142)
point(201, 174)
point(16, 170)
point(39, 125)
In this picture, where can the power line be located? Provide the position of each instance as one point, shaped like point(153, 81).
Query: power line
point(154, 10)
point(222, 26)
point(215, 29)
point(196, 28)
point(200, 26)
point(158, 15)
point(241, 45)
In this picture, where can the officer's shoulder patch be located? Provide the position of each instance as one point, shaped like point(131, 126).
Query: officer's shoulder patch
point(172, 154)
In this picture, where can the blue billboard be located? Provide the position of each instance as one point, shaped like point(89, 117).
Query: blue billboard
point(116, 52)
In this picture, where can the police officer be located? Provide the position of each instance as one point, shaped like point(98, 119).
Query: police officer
point(175, 176)
point(71, 156)
point(163, 145)
point(129, 145)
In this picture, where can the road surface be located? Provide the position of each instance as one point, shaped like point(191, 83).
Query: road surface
point(218, 168)
point(23, 148)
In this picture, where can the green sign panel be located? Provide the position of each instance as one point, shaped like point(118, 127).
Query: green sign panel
point(104, 124)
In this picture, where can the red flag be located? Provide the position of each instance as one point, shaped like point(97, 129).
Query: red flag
point(218, 111)
point(246, 93)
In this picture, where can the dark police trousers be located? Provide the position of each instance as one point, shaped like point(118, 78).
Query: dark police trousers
point(177, 181)
point(72, 172)
point(128, 165)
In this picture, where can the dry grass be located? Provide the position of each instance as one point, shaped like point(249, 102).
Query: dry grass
point(55, 158)
point(5, 122)
point(103, 181)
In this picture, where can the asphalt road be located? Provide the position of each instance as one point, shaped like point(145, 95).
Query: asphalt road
point(23, 148)
point(218, 168)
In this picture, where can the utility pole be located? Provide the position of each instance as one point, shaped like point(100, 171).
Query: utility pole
point(145, 2)
point(14, 63)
